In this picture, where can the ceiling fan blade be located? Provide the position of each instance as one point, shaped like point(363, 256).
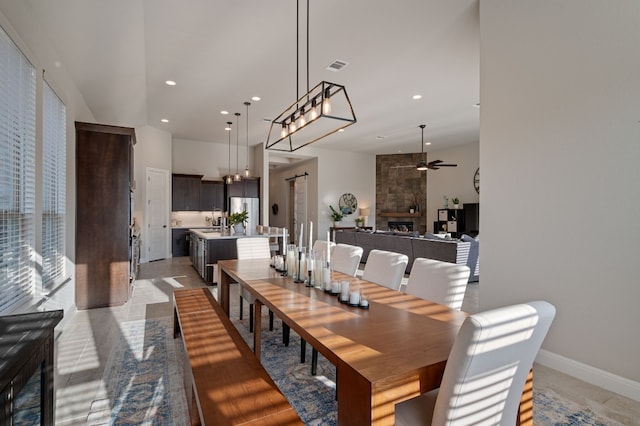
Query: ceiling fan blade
point(401, 167)
point(438, 163)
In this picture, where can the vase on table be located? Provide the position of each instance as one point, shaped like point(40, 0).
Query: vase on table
point(239, 229)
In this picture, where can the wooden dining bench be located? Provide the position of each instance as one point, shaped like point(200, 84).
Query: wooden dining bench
point(224, 381)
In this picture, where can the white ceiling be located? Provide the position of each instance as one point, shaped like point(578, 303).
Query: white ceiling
point(223, 52)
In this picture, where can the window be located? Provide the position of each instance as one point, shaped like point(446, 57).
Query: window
point(54, 137)
point(17, 174)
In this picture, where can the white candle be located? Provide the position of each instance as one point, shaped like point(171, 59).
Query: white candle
point(284, 241)
point(364, 303)
point(354, 297)
point(328, 248)
point(301, 233)
point(327, 278)
point(344, 291)
point(310, 235)
point(335, 287)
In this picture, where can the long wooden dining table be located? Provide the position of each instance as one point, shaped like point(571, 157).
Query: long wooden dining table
point(393, 351)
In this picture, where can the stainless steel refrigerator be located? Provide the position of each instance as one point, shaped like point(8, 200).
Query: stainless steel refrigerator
point(252, 206)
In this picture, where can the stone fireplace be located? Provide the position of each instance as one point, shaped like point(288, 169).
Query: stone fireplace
point(398, 185)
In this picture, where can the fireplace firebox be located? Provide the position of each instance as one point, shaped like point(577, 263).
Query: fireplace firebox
point(406, 226)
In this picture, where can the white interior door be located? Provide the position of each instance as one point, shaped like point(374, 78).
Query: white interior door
point(157, 214)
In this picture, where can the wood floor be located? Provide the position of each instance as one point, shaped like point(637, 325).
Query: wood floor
point(83, 347)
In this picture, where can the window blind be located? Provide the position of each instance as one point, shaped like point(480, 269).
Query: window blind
point(54, 137)
point(17, 174)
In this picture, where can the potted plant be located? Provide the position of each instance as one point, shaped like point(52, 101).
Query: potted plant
point(359, 221)
point(239, 221)
point(456, 202)
point(336, 216)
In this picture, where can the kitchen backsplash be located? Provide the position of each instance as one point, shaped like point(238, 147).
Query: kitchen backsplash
point(190, 219)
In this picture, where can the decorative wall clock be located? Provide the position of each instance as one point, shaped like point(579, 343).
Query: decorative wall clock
point(476, 180)
point(348, 203)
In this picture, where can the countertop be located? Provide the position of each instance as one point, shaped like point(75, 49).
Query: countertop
point(210, 234)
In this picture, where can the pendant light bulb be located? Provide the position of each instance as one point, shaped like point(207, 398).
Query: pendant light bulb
point(228, 179)
point(237, 176)
point(247, 173)
point(284, 132)
point(313, 114)
point(326, 104)
point(302, 121)
point(292, 126)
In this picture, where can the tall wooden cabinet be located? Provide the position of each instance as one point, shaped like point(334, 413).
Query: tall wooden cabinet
point(104, 185)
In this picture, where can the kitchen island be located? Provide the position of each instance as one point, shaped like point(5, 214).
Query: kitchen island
point(208, 246)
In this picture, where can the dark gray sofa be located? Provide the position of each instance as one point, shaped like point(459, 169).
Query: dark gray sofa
point(452, 251)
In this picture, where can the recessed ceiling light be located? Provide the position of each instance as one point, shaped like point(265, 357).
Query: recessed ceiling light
point(427, 143)
point(341, 130)
point(170, 83)
point(416, 97)
point(228, 129)
point(255, 98)
point(164, 120)
point(223, 112)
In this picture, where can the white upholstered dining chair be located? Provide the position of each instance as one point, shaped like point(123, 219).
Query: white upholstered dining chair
point(441, 282)
point(345, 258)
point(251, 248)
point(322, 245)
point(385, 268)
point(486, 370)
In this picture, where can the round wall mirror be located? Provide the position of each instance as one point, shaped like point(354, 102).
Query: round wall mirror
point(348, 204)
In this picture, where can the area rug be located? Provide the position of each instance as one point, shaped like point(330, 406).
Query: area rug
point(142, 378)
point(144, 382)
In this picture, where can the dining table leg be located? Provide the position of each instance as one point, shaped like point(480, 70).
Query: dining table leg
point(257, 327)
point(223, 296)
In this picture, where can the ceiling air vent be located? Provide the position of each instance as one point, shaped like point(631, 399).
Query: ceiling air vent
point(337, 65)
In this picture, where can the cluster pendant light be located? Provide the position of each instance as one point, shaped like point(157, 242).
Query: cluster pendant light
point(229, 179)
point(237, 177)
point(247, 173)
point(320, 112)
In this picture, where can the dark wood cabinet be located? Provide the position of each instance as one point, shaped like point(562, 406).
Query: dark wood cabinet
point(245, 188)
point(218, 249)
point(185, 192)
point(179, 242)
point(211, 195)
point(104, 157)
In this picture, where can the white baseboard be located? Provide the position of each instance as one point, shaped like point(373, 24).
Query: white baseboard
point(589, 374)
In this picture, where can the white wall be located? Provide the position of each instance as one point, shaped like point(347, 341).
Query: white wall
point(17, 20)
point(152, 150)
point(559, 154)
point(451, 181)
point(338, 172)
point(207, 158)
point(279, 193)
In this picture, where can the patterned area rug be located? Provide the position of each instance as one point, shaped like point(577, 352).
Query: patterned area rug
point(144, 381)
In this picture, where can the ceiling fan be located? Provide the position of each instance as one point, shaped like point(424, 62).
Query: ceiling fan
point(422, 165)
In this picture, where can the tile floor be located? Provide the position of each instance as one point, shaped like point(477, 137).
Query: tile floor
point(83, 347)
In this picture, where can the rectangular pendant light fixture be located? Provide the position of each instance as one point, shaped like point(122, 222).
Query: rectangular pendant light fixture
point(324, 110)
